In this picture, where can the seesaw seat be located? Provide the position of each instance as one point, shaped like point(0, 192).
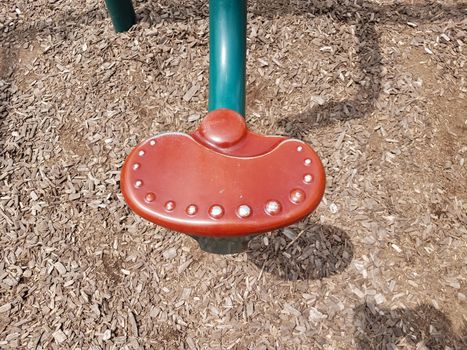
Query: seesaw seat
point(222, 180)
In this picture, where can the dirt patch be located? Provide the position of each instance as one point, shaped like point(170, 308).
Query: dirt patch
point(26, 57)
point(72, 140)
point(447, 121)
point(112, 268)
point(169, 337)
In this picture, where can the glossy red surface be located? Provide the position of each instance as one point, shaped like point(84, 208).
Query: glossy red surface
point(222, 180)
point(225, 131)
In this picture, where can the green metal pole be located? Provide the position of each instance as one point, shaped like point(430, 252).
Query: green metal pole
point(227, 26)
point(122, 14)
point(214, 245)
point(227, 80)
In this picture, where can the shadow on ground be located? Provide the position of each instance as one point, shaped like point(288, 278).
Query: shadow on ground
point(424, 327)
point(5, 96)
point(13, 37)
point(8, 59)
point(365, 17)
point(317, 252)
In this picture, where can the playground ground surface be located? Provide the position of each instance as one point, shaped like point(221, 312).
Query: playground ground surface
point(377, 87)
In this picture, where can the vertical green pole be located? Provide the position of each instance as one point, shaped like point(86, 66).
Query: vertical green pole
point(122, 14)
point(220, 245)
point(227, 26)
point(227, 80)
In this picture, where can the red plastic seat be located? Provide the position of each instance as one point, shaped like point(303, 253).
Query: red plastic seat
point(222, 180)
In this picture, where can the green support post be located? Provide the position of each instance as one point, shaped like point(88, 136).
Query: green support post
point(227, 80)
point(227, 27)
point(227, 75)
point(122, 14)
point(215, 245)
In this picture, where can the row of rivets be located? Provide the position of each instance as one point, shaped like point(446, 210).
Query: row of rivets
point(307, 178)
point(244, 211)
point(216, 211)
point(142, 152)
point(272, 207)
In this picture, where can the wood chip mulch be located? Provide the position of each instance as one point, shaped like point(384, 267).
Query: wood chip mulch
point(377, 87)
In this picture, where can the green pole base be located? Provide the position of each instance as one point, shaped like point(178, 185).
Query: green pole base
point(122, 14)
point(214, 245)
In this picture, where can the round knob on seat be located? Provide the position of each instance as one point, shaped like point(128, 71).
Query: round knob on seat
point(223, 128)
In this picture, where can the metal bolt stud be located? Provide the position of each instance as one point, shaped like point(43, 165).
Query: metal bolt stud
point(152, 142)
point(141, 153)
point(138, 183)
point(297, 196)
point(191, 209)
point(273, 207)
point(299, 148)
point(169, 206)
point(244, 211)
point(307, 178)
point(216, 212)
point(150, 197)
point(136, 166)
point(307, 161)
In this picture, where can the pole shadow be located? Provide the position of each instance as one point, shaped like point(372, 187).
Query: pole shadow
point(365, 17)
point(8, 60)
point(316, 252)
point(5, 97)
point(12, 39)
point(424, 327)
point(368, 91)
point(15, 35)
